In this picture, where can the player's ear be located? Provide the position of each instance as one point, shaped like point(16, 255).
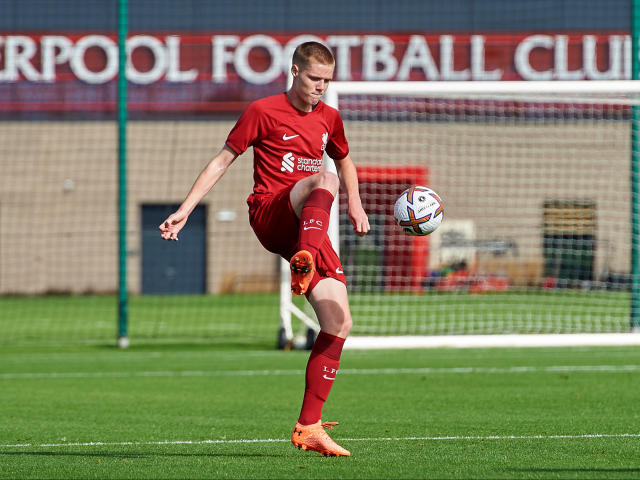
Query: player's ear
point(294, 70)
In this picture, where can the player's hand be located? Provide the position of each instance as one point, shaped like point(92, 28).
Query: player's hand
point(359, 219)
point(172, 225)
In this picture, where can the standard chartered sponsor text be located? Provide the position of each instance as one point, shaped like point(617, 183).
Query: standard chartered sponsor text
point(309, 164)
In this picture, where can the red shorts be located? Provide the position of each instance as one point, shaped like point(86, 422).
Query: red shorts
point(277, 227)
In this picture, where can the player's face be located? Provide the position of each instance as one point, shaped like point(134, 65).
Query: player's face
point(310, 84)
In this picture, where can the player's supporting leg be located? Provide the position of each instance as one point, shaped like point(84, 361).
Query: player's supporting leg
point(311, 199)
point(329, 300)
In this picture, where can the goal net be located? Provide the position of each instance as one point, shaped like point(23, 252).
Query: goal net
point(535, 182)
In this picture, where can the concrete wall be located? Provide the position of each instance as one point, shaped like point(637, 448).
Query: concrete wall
point(58, 192)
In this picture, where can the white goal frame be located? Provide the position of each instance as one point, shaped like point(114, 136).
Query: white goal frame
point(452, 89)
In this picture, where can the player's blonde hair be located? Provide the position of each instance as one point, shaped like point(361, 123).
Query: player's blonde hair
point(308, 51)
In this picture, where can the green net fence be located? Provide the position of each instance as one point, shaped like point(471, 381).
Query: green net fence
point(192, 67)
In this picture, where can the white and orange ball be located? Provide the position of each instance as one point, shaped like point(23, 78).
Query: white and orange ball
point(419, 211)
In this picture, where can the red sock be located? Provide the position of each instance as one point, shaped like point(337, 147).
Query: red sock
point(314, 220)
point(321, 371)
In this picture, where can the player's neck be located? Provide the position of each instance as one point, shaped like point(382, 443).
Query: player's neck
point(297, 103)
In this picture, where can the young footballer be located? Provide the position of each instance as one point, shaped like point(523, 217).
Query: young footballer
point(289, 212)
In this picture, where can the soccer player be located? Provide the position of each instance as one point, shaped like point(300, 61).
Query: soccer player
point(289, 212)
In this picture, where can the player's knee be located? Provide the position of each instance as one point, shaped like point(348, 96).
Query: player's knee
point(346, 326)
point(329, 181)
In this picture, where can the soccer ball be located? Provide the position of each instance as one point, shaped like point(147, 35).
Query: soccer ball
point(418, 211)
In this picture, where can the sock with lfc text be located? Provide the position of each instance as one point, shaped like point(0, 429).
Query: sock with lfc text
point(314, 220)
point(322, 368)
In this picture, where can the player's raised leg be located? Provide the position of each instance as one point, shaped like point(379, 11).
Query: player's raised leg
point(329, 300)
point(311, 199)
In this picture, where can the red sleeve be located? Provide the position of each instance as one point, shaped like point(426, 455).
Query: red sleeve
point(337, 146)
point(247, 130)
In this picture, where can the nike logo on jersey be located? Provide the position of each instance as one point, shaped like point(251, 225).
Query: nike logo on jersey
point(309, 228)
point(339, 270)
point(285, 137)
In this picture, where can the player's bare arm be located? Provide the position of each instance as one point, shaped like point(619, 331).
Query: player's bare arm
point(349, 182)
point(209, 176)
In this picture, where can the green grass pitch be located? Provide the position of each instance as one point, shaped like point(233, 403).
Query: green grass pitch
point(251, 319)
point(216, 411)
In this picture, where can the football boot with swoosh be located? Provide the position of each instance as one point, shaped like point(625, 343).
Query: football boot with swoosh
point(313, 437)
point(302, 270)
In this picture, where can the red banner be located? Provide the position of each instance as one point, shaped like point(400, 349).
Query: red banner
point(213, 72)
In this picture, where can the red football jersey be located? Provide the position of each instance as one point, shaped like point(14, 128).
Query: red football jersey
point(287, 143)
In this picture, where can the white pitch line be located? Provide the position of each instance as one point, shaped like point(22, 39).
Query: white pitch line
point(345, 371)
point(367, 439)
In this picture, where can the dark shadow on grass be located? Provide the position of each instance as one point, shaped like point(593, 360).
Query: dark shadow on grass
point(138, 455)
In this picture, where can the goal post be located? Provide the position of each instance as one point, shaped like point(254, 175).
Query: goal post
point(538, 231)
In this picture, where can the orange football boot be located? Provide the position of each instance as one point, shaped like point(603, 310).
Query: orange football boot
point(313, 437)
point(302, 270)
